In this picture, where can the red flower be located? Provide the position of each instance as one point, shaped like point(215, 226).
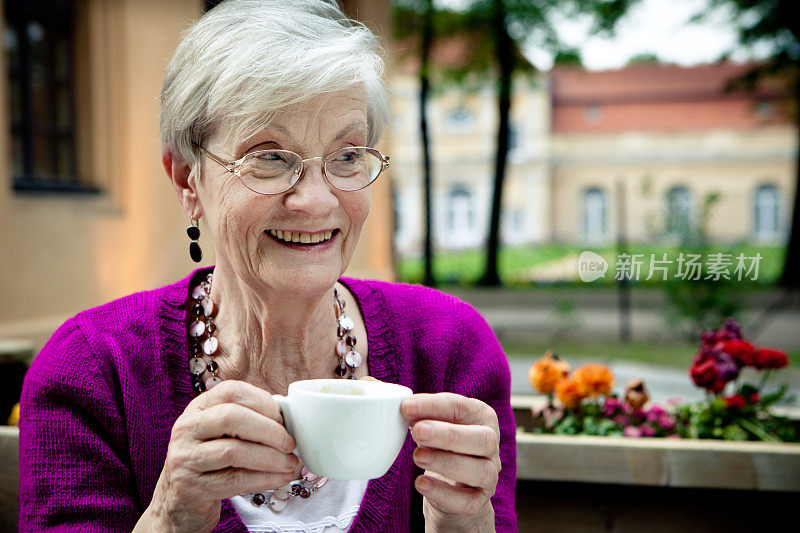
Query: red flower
point(717, 386)
point(741, 351)
point(754, 398)
point(704, 374)
point(769, 358)
point(735, 401)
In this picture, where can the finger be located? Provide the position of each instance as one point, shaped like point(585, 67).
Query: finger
point(242, 423)
point(234, 481)
point(482, 441)
point(448, 407)
point(219, 454)
point(367, 378)
point(449, 498)
point(243, 393)
point(477, 472)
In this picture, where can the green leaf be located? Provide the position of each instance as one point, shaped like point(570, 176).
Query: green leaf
point(734, 432)
point(758, 431)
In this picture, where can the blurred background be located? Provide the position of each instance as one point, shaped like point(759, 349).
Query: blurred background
point(603, 179)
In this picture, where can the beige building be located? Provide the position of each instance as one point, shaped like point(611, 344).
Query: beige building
point(645, 146)
point(662, 140)
point(463, 133)
point(86, 211)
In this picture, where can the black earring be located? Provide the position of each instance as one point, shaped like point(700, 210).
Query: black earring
point(193, 232)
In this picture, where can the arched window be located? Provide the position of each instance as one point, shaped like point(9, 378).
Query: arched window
point(459, 216)
point(594, 225)
point(679, 212)
point(765, 213)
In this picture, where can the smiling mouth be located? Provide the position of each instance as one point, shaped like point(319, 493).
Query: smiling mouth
point(300, 238)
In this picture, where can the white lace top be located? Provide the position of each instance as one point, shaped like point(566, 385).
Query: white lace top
point(332, 509)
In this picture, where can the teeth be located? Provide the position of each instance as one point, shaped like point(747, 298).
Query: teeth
point(305, 238)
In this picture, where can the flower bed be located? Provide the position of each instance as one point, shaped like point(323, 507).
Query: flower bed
point(581, 402)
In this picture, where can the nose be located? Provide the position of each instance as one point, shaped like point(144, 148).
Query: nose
point(312, 194)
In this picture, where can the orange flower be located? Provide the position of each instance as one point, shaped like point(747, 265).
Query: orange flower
point(570, 393)
point(594, 379)
point(545, 373)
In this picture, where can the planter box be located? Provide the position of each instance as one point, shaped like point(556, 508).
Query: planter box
point(659, 462)
point(580, 483)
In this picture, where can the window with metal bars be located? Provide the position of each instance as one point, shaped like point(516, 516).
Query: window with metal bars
point(39, 46)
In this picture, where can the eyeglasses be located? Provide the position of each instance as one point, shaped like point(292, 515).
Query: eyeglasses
point(276, 171)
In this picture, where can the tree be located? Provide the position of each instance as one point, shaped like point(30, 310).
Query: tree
point(494, 29)
point(773, 23)
point(424, 89)
point(524, 18)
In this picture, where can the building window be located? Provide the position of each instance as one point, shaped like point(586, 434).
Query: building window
point(513, 225)
point(679, 212)
point(765, 213)
point(594, 224)
point(459, 121)
point(459, 217)
point(39, 47)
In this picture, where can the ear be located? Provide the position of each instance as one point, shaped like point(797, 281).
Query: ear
point(184, 181)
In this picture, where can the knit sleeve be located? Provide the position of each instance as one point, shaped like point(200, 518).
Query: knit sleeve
point(481, 371)
point(74, 467)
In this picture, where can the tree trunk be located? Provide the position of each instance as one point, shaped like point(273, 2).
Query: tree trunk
point(427, 39)
point(491, 276)
point(790, 278)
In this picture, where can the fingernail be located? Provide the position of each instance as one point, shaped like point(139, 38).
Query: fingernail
point(423, 484)
point(422, 431)
point(411, 407)
point(423, 456)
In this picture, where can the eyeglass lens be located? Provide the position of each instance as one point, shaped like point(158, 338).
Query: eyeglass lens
point(275, 171)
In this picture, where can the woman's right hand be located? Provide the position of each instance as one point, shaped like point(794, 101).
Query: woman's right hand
point(230, 440)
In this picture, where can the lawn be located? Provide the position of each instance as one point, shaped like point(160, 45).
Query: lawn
point(517, 263)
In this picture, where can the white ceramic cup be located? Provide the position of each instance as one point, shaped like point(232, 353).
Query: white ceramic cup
point(345, 428)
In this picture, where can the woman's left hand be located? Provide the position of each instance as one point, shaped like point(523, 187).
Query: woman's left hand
point(458, 441)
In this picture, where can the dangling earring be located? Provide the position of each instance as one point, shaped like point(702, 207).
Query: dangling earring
point(193, 232)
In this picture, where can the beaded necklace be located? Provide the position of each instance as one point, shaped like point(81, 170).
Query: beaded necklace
point(203, 345)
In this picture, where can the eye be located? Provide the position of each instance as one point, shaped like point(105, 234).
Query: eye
point(348, 156)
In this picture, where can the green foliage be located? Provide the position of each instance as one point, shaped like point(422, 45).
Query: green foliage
point(646, 57)
point(715, 419)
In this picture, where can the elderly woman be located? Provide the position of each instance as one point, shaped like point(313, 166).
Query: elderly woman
point(154, 412)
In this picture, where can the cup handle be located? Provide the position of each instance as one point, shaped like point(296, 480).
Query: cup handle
point(283, 403)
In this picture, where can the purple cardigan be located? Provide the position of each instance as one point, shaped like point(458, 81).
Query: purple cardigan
point(101, 397)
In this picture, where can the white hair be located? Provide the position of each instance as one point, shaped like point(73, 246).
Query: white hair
point(244, 60)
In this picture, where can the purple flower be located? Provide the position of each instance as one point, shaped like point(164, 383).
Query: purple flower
point(709, 336)
point(674, 401)
point(646, 430)
point(632, 431)
point(727, 369)
point(666, 422)
point(654, 413)
point(611, 406)
point(620, 420)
